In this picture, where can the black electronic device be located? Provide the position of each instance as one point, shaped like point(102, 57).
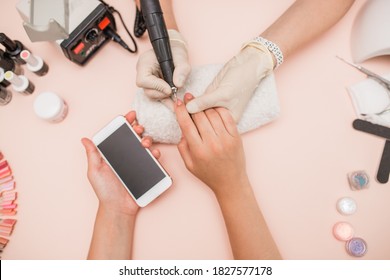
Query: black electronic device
point(89, 36)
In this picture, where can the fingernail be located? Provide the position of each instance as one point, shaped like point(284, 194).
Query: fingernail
point(192, 107)
point(179, 102)
point(189, 96)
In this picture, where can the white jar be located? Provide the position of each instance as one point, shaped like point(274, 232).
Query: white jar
point(50, 107)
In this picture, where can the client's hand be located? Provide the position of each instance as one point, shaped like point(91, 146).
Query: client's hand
point(212, 149)
point(108, 188)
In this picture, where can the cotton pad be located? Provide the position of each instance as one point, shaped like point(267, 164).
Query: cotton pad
point(160, 122)
point(369, 99)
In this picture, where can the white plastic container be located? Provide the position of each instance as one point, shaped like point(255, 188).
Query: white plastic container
point(50, 107)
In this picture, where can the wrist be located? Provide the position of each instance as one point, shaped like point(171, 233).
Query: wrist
point(118, 212)
point(175, 36)
point(233, 190)
point(262, 58)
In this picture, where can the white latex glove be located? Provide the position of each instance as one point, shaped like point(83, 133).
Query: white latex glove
point(234, 85)
point(149, 76)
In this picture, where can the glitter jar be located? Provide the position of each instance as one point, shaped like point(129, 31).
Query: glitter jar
point(358, 180)
point(343, 231)
point(356, 247)
point(346, 206)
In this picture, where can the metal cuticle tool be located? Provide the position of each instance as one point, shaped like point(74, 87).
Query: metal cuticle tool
point(369, 73)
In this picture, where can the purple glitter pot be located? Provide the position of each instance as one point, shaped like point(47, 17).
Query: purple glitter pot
point(356, 247)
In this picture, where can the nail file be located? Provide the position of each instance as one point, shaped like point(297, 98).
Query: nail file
point(375, 129)
point(384, 166)
point(381, 131)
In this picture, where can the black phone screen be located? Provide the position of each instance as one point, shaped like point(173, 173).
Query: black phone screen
point(130, 160)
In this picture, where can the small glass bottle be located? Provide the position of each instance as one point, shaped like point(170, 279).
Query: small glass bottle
point(20, 83)
point(5, 96)
point(8, 64)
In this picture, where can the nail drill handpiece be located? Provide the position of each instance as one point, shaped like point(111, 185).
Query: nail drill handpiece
point(159, 38)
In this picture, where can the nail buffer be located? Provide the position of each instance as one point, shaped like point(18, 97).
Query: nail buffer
point(375, 129)
point(381, 131)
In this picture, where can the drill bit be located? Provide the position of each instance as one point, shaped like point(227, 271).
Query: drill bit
point(174, 94)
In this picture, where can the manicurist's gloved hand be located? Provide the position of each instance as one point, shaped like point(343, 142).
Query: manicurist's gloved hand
point(234, 85)
point(149, 76)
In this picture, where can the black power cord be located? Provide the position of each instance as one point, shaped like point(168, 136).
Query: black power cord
point(114, 36)
point(139, 23)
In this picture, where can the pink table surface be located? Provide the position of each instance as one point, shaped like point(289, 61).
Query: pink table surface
point(297, 164)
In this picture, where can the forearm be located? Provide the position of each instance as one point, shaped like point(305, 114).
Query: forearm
point(112, 236)
point(248, 233)
point(169, 15)
point(305, 20)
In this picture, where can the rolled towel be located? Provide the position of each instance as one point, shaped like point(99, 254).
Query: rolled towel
point(160, 123)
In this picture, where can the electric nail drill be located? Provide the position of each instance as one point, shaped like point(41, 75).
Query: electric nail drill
point(159, 38)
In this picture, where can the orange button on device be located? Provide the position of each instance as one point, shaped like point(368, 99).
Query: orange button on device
point(104, 23)
point(79, 48)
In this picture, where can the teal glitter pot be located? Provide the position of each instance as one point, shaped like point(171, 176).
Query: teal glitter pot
point(358, 180)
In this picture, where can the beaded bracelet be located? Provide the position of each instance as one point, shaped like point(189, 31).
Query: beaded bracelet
point(272, 47)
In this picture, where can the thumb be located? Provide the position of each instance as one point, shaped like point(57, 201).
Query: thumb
point(203, 102)
point(93, 156)
point(212, 97)
point(154, 87)
point(155, 94)
point(180, 75)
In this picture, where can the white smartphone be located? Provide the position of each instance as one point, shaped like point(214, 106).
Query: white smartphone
point(141, 174)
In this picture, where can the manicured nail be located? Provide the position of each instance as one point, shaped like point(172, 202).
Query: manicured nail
point(189, 96)
point(179, 102)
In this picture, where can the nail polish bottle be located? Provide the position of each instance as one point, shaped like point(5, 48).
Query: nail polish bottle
point(20, 83)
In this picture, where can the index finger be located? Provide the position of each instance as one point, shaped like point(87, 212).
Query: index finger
point(187, 126)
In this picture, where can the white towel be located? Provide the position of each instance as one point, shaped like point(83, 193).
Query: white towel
point(160, 123)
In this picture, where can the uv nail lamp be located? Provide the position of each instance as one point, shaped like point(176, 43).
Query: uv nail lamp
point(370, 32)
